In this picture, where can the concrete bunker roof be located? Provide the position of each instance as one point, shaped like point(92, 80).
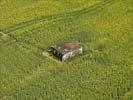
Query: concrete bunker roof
point(67, 46)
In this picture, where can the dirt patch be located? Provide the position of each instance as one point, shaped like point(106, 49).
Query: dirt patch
point(48, 55)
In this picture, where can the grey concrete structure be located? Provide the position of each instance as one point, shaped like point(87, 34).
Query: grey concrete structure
point(66, 50)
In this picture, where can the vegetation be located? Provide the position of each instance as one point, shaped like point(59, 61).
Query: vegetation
point(103, 72)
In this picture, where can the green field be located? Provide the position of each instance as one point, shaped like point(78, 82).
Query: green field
point(103, 72)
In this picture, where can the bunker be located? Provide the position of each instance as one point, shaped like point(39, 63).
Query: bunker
point(66, 50)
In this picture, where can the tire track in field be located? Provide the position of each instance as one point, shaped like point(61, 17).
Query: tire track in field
point(92, 9)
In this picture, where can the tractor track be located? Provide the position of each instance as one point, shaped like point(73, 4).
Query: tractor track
point(89, 10)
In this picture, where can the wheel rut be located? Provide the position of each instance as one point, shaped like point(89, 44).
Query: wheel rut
point(89, 10)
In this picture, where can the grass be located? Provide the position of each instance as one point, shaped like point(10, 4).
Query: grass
point(103, 72)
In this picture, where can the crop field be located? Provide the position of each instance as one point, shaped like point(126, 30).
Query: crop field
point(103, 72)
